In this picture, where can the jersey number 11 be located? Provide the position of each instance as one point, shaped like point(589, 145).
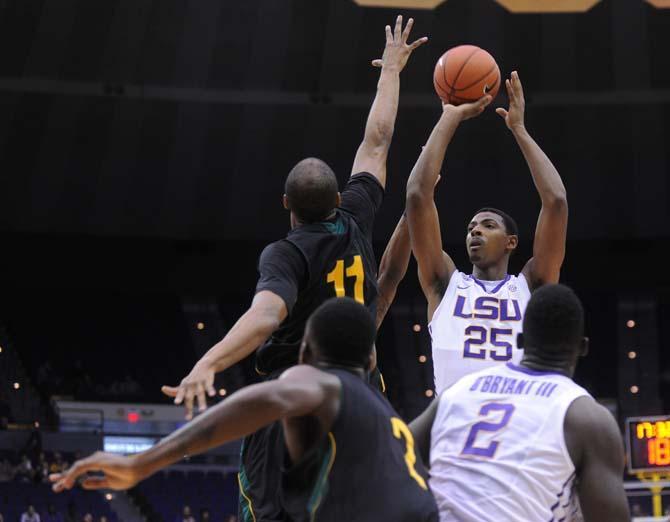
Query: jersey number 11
point(355, 269)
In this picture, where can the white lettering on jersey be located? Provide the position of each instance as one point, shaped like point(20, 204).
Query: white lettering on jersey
point(473, 328)
point(498, 451)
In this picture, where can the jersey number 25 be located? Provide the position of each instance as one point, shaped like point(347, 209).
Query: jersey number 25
point(478, 336)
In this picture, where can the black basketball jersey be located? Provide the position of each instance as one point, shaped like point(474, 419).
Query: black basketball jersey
point(364, 470)
point(332, 258)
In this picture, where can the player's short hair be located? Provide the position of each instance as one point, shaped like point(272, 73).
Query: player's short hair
point(311, 189)
point(343, 331)
point(554, 320)
point(510, 225)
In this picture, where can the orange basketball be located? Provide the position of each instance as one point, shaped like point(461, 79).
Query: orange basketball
point(464, 74)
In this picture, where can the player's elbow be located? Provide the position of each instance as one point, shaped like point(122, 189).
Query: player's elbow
point(556, 202)
point(416, 196)
point(266, 320)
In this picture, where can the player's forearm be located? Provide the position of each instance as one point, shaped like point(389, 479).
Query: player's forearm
point(244, 412)
point(395, 259)
point(422, 180)
point(545, 176)
point(381, 120)
point(248, 333)
point(393, 267)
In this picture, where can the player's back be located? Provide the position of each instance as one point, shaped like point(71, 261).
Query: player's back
point(497, 447)
point(476, 325)
point(365, 470)
point(334, 258)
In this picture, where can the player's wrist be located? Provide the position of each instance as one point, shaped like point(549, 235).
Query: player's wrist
point(452, 113)
point(391, 68)
point(140, 466)
point(205, 364)
point(518, 129)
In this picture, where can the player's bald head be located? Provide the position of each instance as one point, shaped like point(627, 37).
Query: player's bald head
point(553, 324)
point(311, 190)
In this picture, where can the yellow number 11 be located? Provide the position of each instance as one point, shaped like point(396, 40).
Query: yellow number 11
point(354, 270)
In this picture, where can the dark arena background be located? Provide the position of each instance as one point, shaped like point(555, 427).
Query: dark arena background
point(143, 151)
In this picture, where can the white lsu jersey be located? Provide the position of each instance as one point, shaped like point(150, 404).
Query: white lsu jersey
point(475, 326)
point(497, 447)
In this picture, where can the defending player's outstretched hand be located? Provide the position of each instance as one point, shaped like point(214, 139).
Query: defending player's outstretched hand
point(119, 473)
point(196, 385)
point(514, 115)
point(397, 50)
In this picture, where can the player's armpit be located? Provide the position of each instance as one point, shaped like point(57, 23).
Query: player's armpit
point(596, 448)
point(435, 266)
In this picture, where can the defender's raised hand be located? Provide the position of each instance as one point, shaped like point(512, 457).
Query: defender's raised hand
point(514, 115)
point(397, 50)
point(196, 386)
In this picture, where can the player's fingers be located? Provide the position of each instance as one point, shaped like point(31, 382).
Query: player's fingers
point(377, 63)
point(515, 79)
point(417, 43)
point(502, 112)
point(55, 477)
point(397, 32)
point(406, 31)
point(78, 469)
point(95, 483)
point(200, 394)
point(510, 93)
point(170, 391)
point(518, 88)
point(210, 389)
point(483, 102)
point(188, 403)
point(181, 392)
point(389, 34)
point(59, 486)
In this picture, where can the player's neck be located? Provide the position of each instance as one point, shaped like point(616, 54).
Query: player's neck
point(562, 366)
point(490, 273)
point(295, 222)
point(328, 365)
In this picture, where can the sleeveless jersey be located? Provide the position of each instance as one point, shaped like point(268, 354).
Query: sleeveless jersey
point(365, 469)
point(474, 328)
point(497, 447)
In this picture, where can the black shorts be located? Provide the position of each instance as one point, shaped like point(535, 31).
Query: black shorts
point(259, 478)
point(260, 475)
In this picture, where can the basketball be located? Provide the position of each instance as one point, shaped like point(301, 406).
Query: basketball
point(466, 73)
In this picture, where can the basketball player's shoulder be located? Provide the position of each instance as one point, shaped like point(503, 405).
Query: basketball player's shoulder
point(282, 251)
point(590, 428)
point(518, 283)
point(586, 415)
point(456, 279)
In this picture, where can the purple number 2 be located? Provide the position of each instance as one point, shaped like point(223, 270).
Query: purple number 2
point(488, 451)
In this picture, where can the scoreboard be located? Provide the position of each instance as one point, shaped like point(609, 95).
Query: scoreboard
point(648, 444)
